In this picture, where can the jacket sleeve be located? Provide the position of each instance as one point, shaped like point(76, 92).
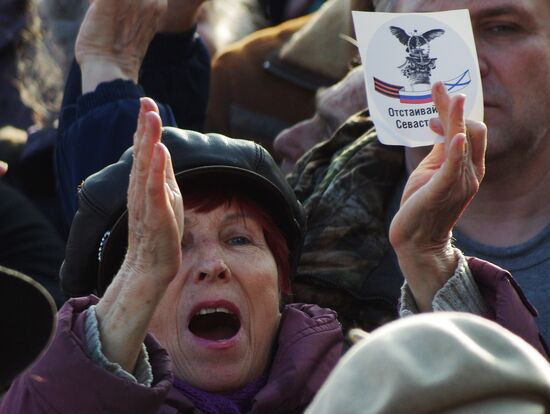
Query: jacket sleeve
point(507, 304)
point(97, 127)
point(65, 380)
point(93, 133)
point(176, 72)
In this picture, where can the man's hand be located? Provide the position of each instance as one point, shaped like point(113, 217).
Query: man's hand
point(3, 168)
point(437, 192)
point(114, 37)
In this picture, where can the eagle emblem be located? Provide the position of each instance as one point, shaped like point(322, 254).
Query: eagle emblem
point(418, 64)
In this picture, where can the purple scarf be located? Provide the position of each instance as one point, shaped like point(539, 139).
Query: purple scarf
point(235, 402)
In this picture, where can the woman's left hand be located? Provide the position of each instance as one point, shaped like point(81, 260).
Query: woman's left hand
point(437, 192)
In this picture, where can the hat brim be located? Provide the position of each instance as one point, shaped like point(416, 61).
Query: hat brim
point(27, 320)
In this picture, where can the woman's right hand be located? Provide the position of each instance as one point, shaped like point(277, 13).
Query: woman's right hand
point(155, 206)
point(153, 258)
point(3, 168)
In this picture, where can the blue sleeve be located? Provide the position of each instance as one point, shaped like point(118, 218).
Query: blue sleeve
point(94, 132)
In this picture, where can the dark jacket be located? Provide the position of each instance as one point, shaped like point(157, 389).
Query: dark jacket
point(64, 380)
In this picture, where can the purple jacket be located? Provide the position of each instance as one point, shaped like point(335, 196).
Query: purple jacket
point(310, 343)
point(508, 305)
point(64, 380)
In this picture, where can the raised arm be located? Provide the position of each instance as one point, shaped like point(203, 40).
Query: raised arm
point(437, 192)
point(100, 107)
point(155, 228)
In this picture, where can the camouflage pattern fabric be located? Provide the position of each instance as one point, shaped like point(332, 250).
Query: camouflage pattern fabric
point(345, 185)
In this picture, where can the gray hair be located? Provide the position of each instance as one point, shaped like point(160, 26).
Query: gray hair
point(61, 21)
point(44, 53)
point(38, 77)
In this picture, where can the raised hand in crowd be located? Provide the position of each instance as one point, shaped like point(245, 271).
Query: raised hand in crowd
point(114, 37)
point(437, 192)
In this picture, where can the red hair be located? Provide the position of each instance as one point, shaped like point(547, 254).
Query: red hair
point(208, 199)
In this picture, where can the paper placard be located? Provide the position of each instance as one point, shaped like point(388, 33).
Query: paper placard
point(403, 54)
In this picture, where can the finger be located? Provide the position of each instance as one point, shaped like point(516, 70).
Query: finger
point(437, 126)
point(442, 101)
point(170, 176)
point(477, 137)
point(451, 168)
point(149, 131)
point(157, 199)
point(149, 134)
point(145, 105)
point(456, 121)
point(149, 105)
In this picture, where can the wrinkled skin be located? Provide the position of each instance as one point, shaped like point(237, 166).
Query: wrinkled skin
point(115, 35)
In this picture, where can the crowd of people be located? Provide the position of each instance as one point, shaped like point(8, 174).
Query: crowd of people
point(222, 232)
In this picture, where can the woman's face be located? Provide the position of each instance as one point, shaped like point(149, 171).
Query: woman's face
point(219, 317)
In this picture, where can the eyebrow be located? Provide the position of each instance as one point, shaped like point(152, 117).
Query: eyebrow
point(241, 216)
point(499, 11)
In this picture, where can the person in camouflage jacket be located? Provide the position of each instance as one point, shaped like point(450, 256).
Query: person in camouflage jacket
point(347, 263)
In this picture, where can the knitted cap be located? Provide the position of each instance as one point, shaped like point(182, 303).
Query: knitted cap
point(438, 363)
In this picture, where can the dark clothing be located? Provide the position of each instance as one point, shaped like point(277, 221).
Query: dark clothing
point(94, 133)
point(28, 242)
point(346, 185)
point(64, 380)
point(96, 128)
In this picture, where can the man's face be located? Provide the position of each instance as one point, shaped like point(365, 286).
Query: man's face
point(513, 45)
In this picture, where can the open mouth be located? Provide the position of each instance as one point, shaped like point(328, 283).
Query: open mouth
point(214, 324)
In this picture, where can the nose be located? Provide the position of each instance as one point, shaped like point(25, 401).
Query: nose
point(212, 269)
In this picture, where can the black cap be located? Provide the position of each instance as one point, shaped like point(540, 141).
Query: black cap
point(27, 321)
point(98, 236)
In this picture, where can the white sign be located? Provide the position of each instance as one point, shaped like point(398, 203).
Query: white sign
point(403, 54)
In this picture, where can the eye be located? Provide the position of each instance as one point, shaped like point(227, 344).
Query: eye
point(501, 28)
point(239, 241)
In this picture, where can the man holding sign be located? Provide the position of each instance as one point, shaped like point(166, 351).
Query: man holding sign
point(507, 222)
